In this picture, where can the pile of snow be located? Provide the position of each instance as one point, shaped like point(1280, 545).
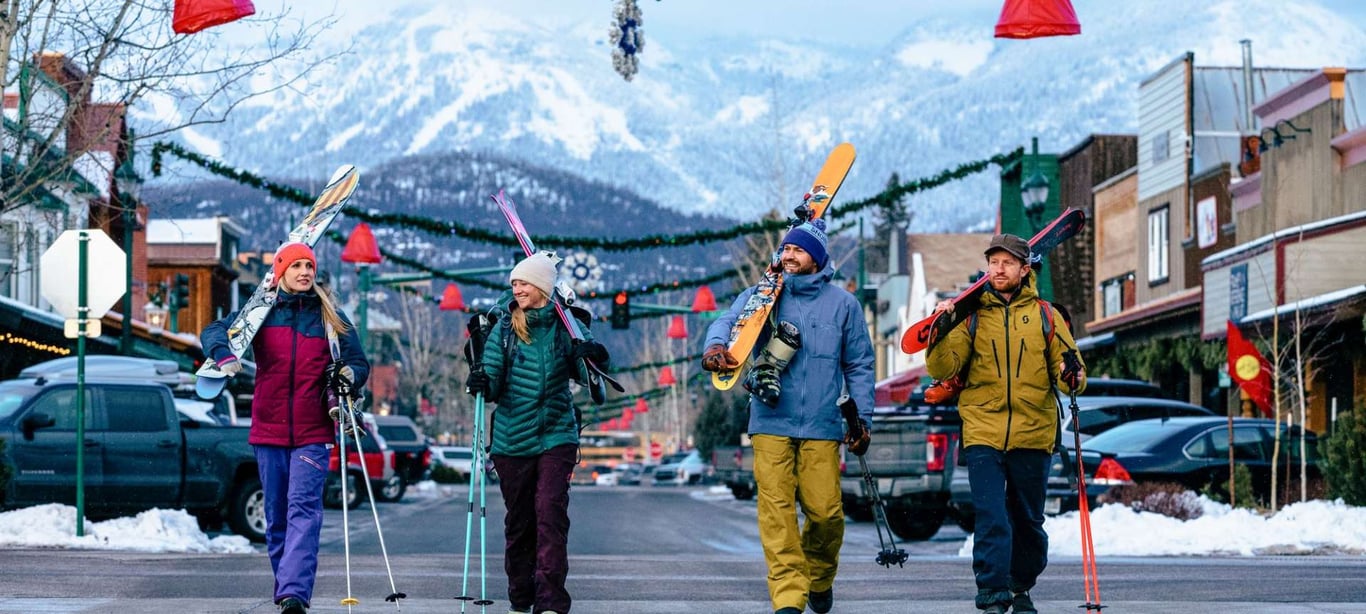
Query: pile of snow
point(54, 526)
point(1313, 527)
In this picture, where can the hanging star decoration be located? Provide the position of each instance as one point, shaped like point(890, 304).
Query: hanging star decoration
point(627, 38)
point(584, 272)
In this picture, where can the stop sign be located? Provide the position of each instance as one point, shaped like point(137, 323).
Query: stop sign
point(106, 273)
point(656, 450)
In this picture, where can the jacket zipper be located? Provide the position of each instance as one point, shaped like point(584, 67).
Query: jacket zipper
point(293, 362)
point(1010, 405)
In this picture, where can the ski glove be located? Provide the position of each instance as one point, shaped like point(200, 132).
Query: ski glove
point(477, 383)
point(858, 441)
point(592, 351)
point(717, 358)
point(1071, 368)
point(230, 366)
point(340, 377)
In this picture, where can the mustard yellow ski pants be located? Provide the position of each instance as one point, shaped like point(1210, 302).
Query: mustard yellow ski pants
point(789, 471)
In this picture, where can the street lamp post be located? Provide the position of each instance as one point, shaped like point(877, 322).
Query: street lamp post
point(1034, 191)
point(127, 188)
point(362, 251)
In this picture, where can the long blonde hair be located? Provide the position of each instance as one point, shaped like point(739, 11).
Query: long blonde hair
point(330, 315)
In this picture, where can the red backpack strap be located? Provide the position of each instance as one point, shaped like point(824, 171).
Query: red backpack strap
point(1046, 310)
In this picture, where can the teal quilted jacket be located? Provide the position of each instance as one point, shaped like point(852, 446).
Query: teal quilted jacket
point(530, 384)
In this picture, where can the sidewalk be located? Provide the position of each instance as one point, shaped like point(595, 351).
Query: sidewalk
point(448, 606)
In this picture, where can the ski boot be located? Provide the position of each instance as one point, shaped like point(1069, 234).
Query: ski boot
point(763, 381)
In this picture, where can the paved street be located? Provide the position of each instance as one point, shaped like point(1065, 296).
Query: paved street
point(646, 550)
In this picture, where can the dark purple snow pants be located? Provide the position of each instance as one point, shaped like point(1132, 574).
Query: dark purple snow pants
point(292, 480)
point(536, 491)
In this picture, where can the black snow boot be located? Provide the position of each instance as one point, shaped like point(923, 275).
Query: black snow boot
point(1022, 604)
point(787, 611)
point(993, 600)
point(291, 605)
point(820, 602)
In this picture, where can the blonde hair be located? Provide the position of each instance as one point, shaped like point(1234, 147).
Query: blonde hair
point(330, 315)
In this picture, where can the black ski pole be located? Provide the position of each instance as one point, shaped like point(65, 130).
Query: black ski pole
point(889, 554)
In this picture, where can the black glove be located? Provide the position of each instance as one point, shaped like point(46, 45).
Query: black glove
point(858, 441)
point(340, 377)
point(592, 351)
point(477, 383)
point(1071, 368)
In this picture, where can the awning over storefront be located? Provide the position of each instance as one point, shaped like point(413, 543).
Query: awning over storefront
point(897, 389)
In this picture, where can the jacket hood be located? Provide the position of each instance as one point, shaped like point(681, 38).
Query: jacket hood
point(809, 284)
point(1026, 293)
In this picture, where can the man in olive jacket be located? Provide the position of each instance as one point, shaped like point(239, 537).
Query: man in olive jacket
point(1010, 421)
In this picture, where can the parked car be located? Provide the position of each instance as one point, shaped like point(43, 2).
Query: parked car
point(459, 458)
point(1112, 387)
point(384, 482)
point(682, 468)
point(624, 474)
point(412, 456)
point(1194, 452)
point(140, 453)
point(735, 468)
point(1095, 415)
point(585, 474)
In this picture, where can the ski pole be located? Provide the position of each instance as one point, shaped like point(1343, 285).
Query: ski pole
point(469, 511)
point(889, 554)
point(345, 472)
point(478, 327)
point(394, 594)
point(1090, 578)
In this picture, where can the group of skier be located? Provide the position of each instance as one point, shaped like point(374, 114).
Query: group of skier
point(1010, 422)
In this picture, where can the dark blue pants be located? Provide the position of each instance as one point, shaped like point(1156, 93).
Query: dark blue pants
point(292, 480)
point(536, 492)
point(1010, 547)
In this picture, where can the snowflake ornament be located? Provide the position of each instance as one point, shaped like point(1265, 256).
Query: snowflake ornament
point(583, 272)
point(627, 38)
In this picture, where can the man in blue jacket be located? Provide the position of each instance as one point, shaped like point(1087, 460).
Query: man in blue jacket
point(797, 439)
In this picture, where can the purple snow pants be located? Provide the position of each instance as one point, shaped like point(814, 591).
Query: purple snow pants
point(536, 492)
point(292, 480)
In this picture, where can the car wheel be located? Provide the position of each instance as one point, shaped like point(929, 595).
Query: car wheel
point(247, 510)
point(859, 512)
point(392, 490)
point(743, 492)
point(965, 521)
point(916, 524)
point(332, 493)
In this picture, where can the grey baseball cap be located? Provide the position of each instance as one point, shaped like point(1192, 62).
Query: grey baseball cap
point(1012, 244)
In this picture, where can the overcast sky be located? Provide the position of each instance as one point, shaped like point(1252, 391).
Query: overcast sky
point(875, 21)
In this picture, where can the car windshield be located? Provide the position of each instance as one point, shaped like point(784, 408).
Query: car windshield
point(458, 454)
point(12, 395)
point(1131, 437)
point(397, 432)
point(676, 457)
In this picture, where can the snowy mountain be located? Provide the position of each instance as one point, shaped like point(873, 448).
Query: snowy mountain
point(738, 126)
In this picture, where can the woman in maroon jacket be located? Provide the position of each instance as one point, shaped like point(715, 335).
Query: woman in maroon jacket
point(290, 426)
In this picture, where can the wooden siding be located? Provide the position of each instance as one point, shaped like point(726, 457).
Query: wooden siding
point(1261, 283)
point(1093, 162)
point(1115, 235)
point(1175, 198)
point(1297, 178)
point(1213, 184)
point(1315, 266)
point(1162, 115)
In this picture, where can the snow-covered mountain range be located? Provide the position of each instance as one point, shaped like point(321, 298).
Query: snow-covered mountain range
point(739, 126)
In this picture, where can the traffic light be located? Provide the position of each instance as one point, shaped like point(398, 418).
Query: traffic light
point(621, 311)
point(180, 291)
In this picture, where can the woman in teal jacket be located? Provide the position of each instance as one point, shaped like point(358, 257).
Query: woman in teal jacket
point(527, 364)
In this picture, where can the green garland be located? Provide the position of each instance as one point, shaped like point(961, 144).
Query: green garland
point(437, 227)
point(656, 364)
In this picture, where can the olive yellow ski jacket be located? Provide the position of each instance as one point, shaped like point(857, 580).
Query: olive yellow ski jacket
point(1007, 403)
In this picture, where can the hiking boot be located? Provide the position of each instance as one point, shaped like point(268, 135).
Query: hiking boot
point(993, 600)
point(820, 602)
point(292, 605)
point(787, 611)
point(1022, 604)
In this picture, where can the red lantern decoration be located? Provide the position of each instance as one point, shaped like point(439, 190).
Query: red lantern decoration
point(361, 247)
point(451, 299)
point(1036, 19)
point(641, 407)
point(678, 329)
point(666, 377)
point(703, 300)
point(194, 15)
point(626, 417)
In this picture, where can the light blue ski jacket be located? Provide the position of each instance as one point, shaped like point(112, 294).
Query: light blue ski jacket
point(835, 352)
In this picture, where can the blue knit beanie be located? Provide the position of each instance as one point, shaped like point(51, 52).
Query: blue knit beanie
point(810, 236)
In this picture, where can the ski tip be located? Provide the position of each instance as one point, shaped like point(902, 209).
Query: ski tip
point(725, 380)
point(209, 387)
point(341, 171)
